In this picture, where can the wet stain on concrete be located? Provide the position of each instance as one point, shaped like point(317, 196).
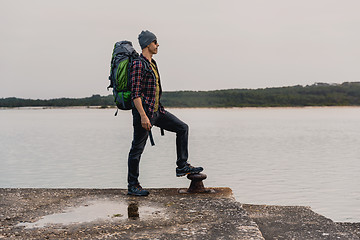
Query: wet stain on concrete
point(97, 211)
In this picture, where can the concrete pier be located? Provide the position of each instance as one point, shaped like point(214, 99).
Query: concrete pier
point(164, 214)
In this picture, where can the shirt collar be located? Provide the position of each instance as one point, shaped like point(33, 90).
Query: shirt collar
point(152, 60)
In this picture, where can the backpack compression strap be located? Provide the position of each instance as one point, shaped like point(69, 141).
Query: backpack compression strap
point(151, 138)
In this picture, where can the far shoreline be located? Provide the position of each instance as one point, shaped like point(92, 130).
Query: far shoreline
point(114, 107)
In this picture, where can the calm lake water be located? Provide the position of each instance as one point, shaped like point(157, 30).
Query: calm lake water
point(282, 156)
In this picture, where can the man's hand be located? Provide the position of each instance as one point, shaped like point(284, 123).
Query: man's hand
point(145, 122)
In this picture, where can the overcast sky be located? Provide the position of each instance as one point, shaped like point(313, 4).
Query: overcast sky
point(62, 48)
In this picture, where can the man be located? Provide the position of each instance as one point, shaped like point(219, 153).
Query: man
point(148, 111)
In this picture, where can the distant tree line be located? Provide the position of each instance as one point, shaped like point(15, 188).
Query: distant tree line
point(318, 94)
point(94, 100)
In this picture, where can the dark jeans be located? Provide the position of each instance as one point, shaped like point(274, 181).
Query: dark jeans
point(166, 121)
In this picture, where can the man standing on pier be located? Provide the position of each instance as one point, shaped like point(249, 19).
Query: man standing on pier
point(148, 111)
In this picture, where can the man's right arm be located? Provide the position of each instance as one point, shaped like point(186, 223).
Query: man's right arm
point(135, 78)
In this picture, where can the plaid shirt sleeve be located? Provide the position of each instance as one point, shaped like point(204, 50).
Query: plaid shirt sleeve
point(143, 84)
point(135, 79)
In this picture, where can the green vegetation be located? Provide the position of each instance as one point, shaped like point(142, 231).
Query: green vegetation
point(319, 94)
point(94, 100)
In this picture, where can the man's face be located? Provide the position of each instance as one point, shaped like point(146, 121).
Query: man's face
point(153, 47)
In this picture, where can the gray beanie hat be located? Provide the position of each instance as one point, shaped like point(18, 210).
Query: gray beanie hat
point(145, 38)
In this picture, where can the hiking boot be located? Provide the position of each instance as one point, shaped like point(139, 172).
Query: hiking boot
point(137, 190)
point(187, 169)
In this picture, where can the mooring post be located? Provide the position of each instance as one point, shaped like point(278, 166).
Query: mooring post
point(196, 185)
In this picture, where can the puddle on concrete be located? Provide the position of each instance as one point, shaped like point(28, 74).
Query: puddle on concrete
point(103, 210)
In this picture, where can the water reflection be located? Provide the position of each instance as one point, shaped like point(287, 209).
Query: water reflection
point(133, 211)
point(99, 210)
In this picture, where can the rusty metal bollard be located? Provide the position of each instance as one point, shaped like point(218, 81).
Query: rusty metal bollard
point(196, 185)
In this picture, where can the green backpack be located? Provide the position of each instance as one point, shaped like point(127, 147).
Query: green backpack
point(121, 63)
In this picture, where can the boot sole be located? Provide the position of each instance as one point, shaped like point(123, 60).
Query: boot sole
point(137, 194)
point(184, 174)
